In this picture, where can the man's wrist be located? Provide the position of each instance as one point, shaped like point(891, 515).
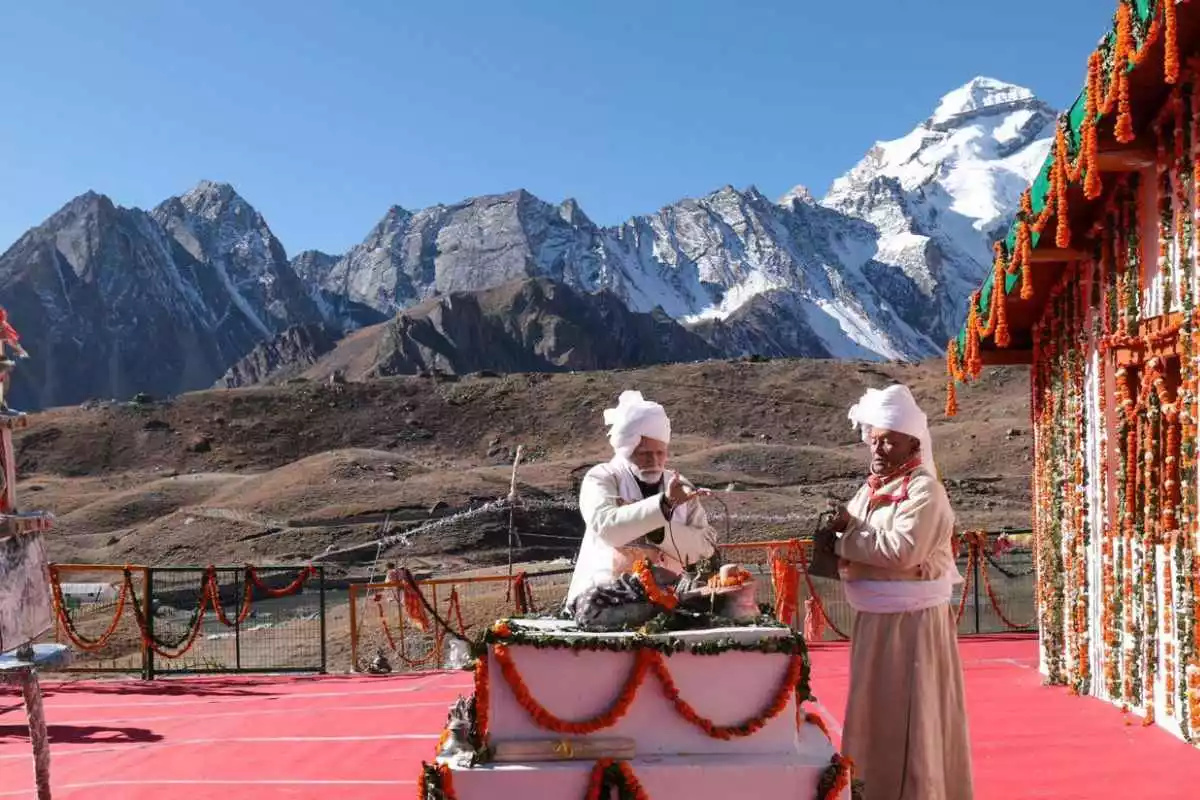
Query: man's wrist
point(666, 506)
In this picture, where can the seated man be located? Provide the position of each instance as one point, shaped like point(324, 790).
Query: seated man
point(633, 507)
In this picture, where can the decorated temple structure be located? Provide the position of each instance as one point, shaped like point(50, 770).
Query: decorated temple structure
point(1096, 288)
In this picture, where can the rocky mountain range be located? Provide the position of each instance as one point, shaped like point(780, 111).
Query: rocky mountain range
point(112, 301)
point(526, 325)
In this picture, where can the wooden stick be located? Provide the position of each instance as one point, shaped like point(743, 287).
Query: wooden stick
point(512, 507)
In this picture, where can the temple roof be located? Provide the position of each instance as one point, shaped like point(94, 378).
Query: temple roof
point(1097, 138)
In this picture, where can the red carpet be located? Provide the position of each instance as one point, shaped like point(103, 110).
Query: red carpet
point(363, 737)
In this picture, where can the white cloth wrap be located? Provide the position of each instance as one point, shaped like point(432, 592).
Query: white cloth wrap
point(633, 418)
point(894, 409)
point(898, 597)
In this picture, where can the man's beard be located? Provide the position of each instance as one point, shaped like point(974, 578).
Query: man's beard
point(646, 476)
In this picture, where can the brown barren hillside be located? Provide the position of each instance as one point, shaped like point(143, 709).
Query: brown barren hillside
point(285, 473)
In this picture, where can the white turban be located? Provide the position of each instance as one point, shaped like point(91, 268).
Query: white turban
point(893, 409)
point(633, 418)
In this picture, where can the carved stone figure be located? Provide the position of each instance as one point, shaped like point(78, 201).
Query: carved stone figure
point(456, 743)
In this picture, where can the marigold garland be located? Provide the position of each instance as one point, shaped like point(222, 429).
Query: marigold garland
point(815, 598)
point(483, 699)
point(68, 625)
point(287, 591)
point(1119, 335)
point(1106, 92)
point(664, 598)
point(644, 662)
point(398, 649)
point(783, 696)
point(436, 781)
point(608, 774)
point(813, 718)
point(209, 595)
point(837, 778)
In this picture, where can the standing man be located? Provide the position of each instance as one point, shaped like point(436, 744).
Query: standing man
point(906, 724)
point(634, 507)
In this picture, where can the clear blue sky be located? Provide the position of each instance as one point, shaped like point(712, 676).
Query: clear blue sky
point(323, 114)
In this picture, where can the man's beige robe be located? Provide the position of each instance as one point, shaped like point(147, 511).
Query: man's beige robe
point(906, 725)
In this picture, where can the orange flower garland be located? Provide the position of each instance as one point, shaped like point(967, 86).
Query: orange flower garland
point(597, 780)
point(995, 601)
point(1148, 577)
point(1100, 100)
point(398, 649)
point(415, 609)
point(68, 625)
point(642, 664)
point(664, 598)
point(845, 767)
point(645, 661)
point(751, 726)
point(601, 780)
point(445, 779)
point(1171, 50)
point(483, 698)
point(816, 614)
point(210, 595)
point(813, 718)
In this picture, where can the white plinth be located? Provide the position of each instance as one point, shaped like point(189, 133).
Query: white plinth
point(728, 688)
point(662, 778)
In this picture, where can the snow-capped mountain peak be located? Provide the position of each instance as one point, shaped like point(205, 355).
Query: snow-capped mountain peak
point(881, 265)
point(797, 194)
point(978, 94)
point(879, 268)
point(951, 184)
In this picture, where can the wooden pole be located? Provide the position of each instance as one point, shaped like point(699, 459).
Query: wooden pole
point(512, 510)
point(353, 628)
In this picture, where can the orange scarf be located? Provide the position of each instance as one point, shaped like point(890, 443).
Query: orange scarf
point(877, 482)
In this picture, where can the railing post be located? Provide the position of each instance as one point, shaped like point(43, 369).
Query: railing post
point(437, 636)
point(237, 619)
point(975, 581)
point(353, 628)
point(148, 605)
point(321, 603)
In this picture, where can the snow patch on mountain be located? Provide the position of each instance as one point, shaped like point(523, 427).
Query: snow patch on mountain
point(965, 167)
point(881, 266)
